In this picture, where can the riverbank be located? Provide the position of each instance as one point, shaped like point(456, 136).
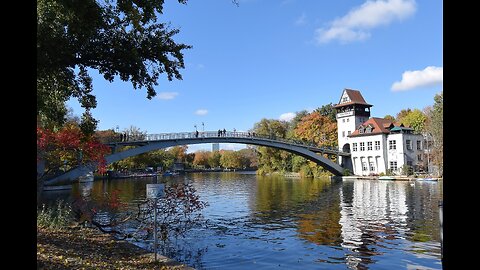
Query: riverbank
point(88, 248)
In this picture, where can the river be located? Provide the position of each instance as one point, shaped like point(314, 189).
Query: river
point(275, 222)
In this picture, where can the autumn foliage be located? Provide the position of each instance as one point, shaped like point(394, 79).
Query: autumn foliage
point(68, 148)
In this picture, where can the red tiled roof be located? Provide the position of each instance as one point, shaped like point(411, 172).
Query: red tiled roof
point(380, 126)
point(355, 98)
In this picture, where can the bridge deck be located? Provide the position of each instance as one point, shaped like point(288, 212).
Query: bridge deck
point(227, 137)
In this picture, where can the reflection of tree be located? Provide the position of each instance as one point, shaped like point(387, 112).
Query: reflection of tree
point(314, 200)
point(423, 212)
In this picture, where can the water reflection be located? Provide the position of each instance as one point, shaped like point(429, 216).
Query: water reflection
point(263, 222)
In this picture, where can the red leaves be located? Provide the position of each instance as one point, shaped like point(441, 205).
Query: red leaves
point(70, 147)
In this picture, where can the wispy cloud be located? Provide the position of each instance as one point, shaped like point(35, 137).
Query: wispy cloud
point(411, 79)
point(287, 116)
point(356, 24)
point(167, 95)
point(302, 20)
point(201, 112)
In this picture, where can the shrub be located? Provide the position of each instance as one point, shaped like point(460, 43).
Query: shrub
point(56, 216)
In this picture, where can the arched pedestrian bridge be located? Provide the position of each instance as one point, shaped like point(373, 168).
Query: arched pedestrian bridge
point(150, 142)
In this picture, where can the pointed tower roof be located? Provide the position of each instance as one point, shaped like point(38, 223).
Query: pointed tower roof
point(350, 97)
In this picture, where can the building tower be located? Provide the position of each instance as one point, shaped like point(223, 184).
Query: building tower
point(352, 110)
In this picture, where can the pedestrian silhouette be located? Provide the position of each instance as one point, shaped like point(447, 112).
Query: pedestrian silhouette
point(219, 132)
point(224, 133)
point(196, 134)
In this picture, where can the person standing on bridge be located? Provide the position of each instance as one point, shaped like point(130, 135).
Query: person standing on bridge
point(224, 133)
point(219, 132)
point(196, 133)
point(234, 132)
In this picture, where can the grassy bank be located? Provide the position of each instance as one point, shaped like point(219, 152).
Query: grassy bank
point(88, 248)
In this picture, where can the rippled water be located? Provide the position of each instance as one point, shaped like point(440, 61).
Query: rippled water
point(284, 223)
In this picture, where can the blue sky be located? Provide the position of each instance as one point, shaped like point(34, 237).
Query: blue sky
point(270, 59)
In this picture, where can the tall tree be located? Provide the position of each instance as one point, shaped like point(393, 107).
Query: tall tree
point(403, 113)
point(415, 119)
point(328, 111)
point(116, 38)
point(319, 129)
point(434, 130)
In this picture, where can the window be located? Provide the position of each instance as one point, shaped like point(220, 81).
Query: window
point(362, 146)
point(343, 133)
point(372, 167)
point(392, 145)
point(368, 130)
point(393, 165)
point(369, 146)
point(360, 130)
point(344, 99)
point(349, 132)
point(354, 147)
point(364, 166)
point(419, 157)
point(343, 120)
point(348, 119)
point(419, 145)
point(377, 145)
point(409, 144)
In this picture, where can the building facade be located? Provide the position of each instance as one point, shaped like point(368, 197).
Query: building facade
point(376, 144)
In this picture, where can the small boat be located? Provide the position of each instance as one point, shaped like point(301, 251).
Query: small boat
point(386, 177)
point(427, 179)
point(170, 173)
point(55, 188)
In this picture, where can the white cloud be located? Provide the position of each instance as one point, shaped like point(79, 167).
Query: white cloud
point(287, 116)
point(167, 95)
point(419, 78)
point(302, 20)
point(355, 25)
point(201, 112)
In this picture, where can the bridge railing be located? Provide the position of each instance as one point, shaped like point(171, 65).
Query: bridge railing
point(212, 134)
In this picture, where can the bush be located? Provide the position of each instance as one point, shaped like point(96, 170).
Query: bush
point(55, 217)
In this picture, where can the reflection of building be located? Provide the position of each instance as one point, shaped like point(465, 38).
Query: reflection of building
point(376, 144)
point(215, 147)
point(370, 211)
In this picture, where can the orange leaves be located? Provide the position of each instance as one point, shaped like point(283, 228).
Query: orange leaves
point(70, 147)
point(318, 128)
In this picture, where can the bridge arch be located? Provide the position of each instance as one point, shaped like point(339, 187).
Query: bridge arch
point(147, 146)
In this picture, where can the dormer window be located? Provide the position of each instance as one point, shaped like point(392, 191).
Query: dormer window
point(368, 129)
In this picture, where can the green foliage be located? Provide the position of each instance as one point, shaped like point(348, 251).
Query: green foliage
point(116, 38)
point(56, 216)
point(389, 117)
point(347, 172)
point(328, 111)
point(415, 119)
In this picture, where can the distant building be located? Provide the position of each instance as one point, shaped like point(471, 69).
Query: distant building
point(376, 144)
point(215, 147)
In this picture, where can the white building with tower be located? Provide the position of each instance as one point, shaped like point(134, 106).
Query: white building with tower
point(376, 144)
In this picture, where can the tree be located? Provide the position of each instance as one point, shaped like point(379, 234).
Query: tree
point(403, 113)
point(328, 111)
point(201, 158)
point(214, 159)
point(179, 152)
point(231, 159)
point(115, 38)
point(319, 129)
point(415, 119)
point(389, 117)
point(65, 149)
point(270, 159)
point(434, 130)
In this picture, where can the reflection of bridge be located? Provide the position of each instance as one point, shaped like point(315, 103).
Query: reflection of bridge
point(150, 142)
